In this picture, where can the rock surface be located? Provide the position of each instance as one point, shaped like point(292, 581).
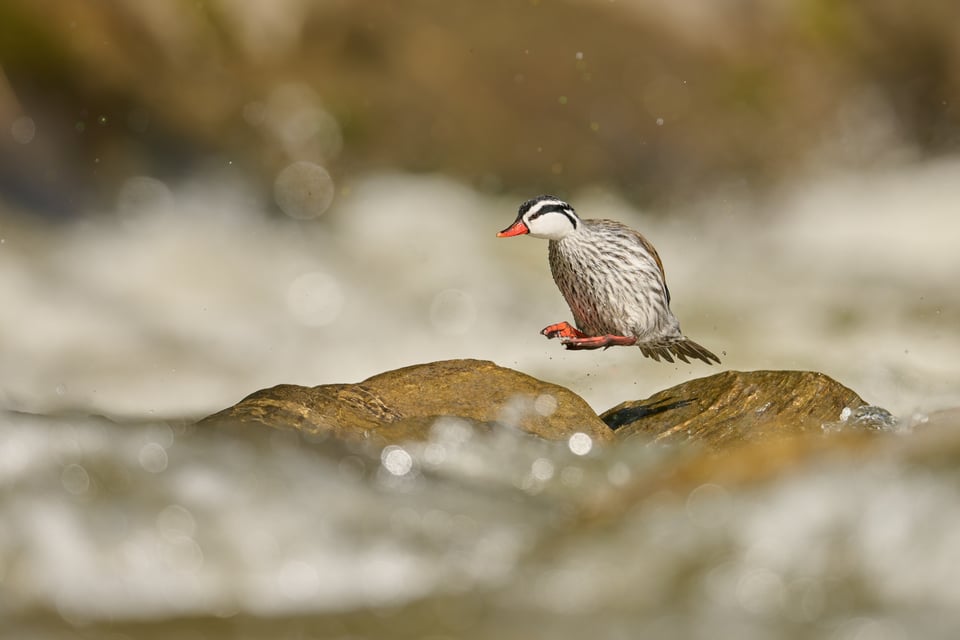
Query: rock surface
point(751, 427)
point(735, 407)
point(402, 405)
point(720, 411)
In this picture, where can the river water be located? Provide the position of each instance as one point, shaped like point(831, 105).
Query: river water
point(119, 519)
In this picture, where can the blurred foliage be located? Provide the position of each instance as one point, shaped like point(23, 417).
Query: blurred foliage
point(658, 100)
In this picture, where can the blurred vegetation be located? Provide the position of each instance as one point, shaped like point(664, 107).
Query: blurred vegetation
point(658, 100)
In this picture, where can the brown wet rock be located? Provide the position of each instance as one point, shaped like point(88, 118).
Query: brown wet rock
point(402, 405)
point(750, 428)
point(735, 407)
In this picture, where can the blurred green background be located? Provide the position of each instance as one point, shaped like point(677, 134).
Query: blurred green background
point(658, 101)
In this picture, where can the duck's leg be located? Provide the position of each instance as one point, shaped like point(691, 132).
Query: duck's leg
point(562, 330)
point(598, 342)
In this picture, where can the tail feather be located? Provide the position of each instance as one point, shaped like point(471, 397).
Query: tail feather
point(683, 348)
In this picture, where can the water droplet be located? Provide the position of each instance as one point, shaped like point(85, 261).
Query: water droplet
point(75, 479)
point(542, 469)
point(659, 122)
point(580, 443)
point(545, 404)
point(434, 454)
point(175, 522)
point(396, 460)
point(294, 117)
point(708, 505)
point(450, 432)
point(153, 457)
point(579, 55)
point(303, 190)
point(315, 299)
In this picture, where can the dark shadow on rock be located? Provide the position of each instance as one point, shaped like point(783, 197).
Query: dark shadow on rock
point(734, 407)
point(630, 414)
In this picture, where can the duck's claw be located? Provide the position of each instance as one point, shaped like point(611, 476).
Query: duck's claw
point(562, 330)
point(574, 339)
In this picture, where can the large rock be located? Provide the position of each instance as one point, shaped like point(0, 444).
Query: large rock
point(735, 407)
point(403, 404)
point(752, 427)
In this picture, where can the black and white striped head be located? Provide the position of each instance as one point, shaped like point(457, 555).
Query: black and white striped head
point(543, 217)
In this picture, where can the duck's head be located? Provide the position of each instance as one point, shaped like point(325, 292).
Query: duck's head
point(543, 217)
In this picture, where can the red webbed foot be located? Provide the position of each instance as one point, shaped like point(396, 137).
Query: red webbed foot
point(598, 342)
point(562, 330)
